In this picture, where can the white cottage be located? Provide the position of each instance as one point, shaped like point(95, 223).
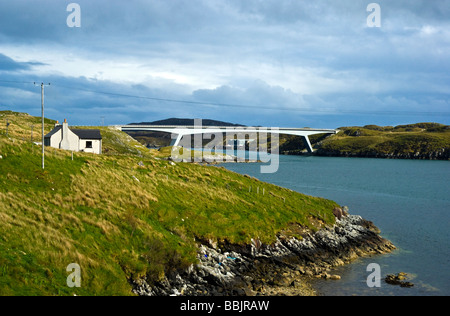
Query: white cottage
point(86, 140)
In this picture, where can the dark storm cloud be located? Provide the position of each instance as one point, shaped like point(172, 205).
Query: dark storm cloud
point(8, 64)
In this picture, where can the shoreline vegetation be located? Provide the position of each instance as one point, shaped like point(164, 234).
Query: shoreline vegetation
point(137, 224)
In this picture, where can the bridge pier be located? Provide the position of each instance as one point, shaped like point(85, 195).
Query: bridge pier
point(176, 140)
point(307, 144)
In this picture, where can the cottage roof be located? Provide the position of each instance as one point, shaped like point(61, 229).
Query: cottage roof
point(87, 133)
point(53, 131)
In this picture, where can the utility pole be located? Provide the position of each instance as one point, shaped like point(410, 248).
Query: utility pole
point(42, 108)
point(7, 125)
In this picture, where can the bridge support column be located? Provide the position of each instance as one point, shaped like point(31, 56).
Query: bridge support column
point(307, 144)
point(176, 140)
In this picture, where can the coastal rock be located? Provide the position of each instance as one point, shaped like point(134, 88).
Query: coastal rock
point(440, 154)
point(276, 269)
point(335, 277)
point(398, 279)
point(339, 213)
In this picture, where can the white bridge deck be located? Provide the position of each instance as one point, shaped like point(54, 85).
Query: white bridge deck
point(179, 131)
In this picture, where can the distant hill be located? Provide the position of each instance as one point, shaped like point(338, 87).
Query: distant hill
point(162, 139)
point(186, 122)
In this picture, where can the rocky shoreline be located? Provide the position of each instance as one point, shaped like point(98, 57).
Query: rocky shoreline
point(282, 268)
point(443, 154)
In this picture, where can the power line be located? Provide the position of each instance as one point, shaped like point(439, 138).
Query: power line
point(12, 81)
point(164, 99)
point(259, 107)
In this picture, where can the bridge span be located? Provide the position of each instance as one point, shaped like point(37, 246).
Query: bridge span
point(178, 132)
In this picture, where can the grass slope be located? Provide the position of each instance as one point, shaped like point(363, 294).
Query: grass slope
point(372, 140)
point(125, 214)
point(403, 139)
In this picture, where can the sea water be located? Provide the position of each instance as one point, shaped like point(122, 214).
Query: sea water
point(409, 200)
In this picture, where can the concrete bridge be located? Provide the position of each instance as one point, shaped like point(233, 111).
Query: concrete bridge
point(179, 131)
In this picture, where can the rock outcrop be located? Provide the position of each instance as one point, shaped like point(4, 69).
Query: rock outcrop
point(398, 279)
point(441, 154)
point(278, 268)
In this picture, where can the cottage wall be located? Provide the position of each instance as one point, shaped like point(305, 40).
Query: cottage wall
point(72, 142)
point(69, 140)
point(55, 139)
point(96, 147)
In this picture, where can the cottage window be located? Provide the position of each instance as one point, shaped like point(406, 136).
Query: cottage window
point(89, 144)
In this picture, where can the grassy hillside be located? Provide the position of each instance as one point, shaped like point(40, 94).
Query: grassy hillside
point(420, 140)
point(124, 214)
point(423, 138)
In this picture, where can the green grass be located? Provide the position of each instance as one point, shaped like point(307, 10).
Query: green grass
point(421, 137)
point(125, 214)
point(424, 138)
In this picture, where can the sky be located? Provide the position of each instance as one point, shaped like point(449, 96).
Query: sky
point(275, 63)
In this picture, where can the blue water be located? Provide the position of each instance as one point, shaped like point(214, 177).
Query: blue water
point(409, 200)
